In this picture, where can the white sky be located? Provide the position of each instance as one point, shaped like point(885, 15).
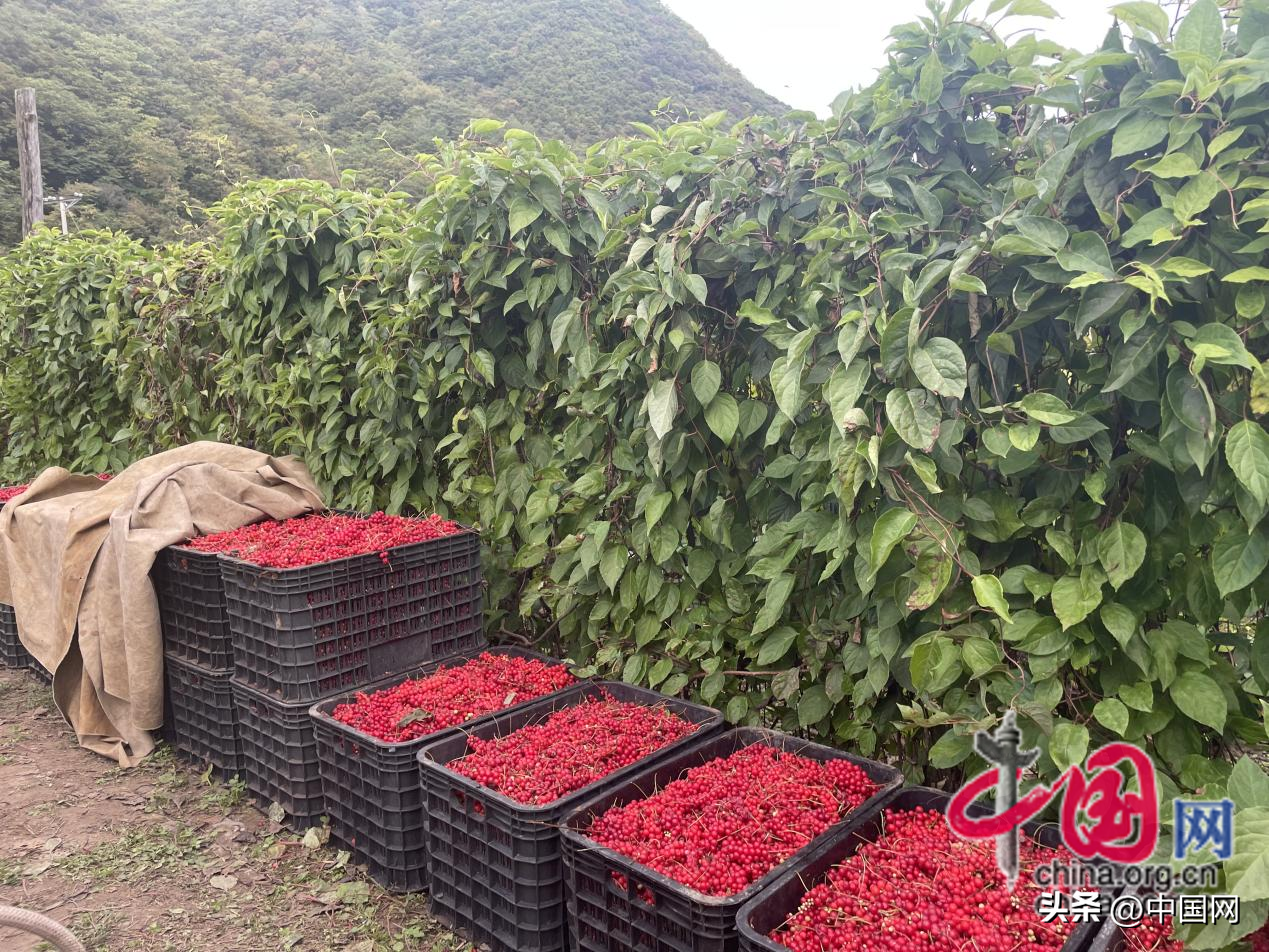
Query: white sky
point(805, 52)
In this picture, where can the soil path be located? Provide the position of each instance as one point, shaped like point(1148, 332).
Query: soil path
point(161, 858)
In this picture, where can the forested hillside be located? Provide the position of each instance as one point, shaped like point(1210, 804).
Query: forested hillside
point(150, 105)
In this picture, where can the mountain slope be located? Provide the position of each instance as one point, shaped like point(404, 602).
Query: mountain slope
point(149, 105)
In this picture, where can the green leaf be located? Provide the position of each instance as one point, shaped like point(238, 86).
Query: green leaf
point(1200, 698)
point(776, 644)
point(844, 388)
point(891, 528)
point(696, 285)
point(723, 416)
point(1248, 784)
point(1135, 355)
point(930, 85)
point(1138, 696)
point(1195, 196)
point(1121, 548)
point(612, 565)
point(700, 565)
point(1185, 267)
point(1119, 621)
point(1074, 597)
point(950, 750)
point(663, 405)
point(523, 212)
point(483, 361)
point(940, 366)
point(1146, 15)
point(980, 656)
point(1238, 560)
point(1068, 745)
point(1202, 31)
point(814, 706)
point(1247, 448)
point(706, 379)
point(1046, 408)
point(914, 416)
point(990, 594)
point(1220, 344)
point(656, 506)
point(1243, 275)
point(1112, 715)
point(1247, 871)
point(786, 383)
point(1138, 133)
point(775, 597)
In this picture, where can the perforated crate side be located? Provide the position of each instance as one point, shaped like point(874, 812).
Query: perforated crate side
point(607, 918)
point(204, 715)
point(773, 905)
point(192, 609)
point(307, 633)
point(495, 867)
point(41, 672)
point(373, 794)
point(12, 654)
point(279, 754)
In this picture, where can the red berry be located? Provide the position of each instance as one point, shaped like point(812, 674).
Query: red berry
point(727, 823)
point(451, 696)
point(920, 887)
point(323, 537)
point(571, 749)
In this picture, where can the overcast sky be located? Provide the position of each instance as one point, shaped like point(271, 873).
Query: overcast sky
point(805, 52)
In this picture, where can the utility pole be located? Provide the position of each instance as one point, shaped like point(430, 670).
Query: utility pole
point(29, 172)
point(64, 203)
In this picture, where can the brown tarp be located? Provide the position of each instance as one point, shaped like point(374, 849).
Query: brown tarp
point(75, 559)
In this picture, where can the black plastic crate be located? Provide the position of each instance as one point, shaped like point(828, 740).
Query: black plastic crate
point(605, 917)
point(279, 754)
point(12, 654)
point(781, 899)
point(373, 793)
point(191, 597)
point(495, 867)
point(41, 672)
point(307, 633)
point(204, 716)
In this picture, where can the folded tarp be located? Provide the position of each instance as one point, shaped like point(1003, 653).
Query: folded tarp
point(75, 560)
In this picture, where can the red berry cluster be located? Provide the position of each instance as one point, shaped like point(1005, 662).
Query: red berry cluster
point(918, 886)
point(571, 749)
point(729, 822)
point(451, 696)
point(8, 492)
point(323, 537)
point(1152, 935)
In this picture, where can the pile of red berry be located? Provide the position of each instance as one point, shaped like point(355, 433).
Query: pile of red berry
point(451, 696)
point(919, 886)
point(8, 492)
point(1152, 935)
point(571, 749)
point(323, 537)
point(729, 822)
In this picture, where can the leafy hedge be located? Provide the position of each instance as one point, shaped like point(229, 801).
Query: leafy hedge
point(870, 426)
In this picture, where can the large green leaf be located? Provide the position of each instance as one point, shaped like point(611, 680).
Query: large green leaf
point(1121, 548)
point(1238, 559)
point(1247, 447)
point(914, 416)
point(940, 366)
point(1200, 698)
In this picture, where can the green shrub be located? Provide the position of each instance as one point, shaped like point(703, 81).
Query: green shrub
point(870, 426)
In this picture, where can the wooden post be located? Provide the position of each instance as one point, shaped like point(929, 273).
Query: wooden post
point(30, 174)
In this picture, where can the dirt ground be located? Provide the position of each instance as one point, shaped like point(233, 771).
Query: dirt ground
point(161, 858)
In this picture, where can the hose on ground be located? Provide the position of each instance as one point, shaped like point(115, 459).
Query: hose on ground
point(24, 919)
